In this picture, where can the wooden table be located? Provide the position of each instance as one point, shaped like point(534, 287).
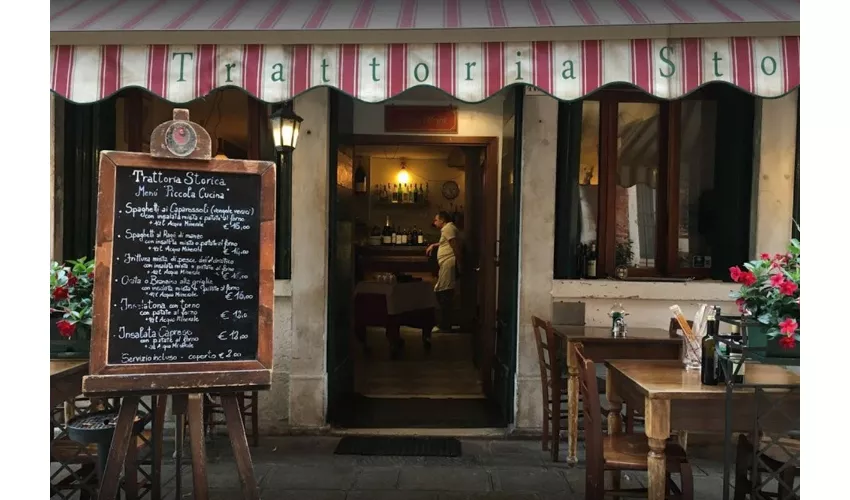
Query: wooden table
point(670, 397)
point(599, 345)
point(393, 305)
point(66, 379)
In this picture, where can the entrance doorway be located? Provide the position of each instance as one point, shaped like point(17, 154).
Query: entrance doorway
point(401, 355)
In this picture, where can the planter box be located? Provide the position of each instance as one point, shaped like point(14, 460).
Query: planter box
point(758, 340)
point(77, 347)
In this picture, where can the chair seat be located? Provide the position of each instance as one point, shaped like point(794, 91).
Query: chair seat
point(629, 451)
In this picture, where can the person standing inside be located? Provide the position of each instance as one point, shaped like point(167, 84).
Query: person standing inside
point(448, 260)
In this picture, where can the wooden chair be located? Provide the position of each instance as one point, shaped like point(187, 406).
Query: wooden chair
point(621, 452)
point(214, 413)
point(773, 460)
point(553, 379)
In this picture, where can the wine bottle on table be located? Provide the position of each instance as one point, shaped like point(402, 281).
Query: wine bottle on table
point(708, 368)
point(387, 233)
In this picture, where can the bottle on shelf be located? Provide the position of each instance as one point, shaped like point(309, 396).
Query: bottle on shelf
point(394, 194)
point(387, 233)
point(404, 237)
point(384, 195)
point(581, 261)
point(425, 197)
point(399, 194)
point(360, 179)
point(708, 368)
point(415, 193)
point(591, 261)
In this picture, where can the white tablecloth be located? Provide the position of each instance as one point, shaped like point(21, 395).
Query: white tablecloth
point(401, 297)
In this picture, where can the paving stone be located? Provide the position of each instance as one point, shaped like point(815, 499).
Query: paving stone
point(315, 477)
point(383, 478)
point(444, 479)
point(391, 495)
point(493, 495)
point(300, 495)
point(512, 453)
point(576, 479)
point(528, 479)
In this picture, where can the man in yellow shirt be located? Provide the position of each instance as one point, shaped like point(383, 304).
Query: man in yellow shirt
point(449, 260)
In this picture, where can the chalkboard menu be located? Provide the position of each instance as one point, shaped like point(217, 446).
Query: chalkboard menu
point(184, 274)
point(186, 268)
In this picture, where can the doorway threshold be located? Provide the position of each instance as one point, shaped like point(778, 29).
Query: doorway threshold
point(482, 433)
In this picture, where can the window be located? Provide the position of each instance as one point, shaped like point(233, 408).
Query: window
point(644, 173)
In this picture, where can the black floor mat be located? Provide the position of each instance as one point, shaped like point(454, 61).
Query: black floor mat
point(420, 413)
point(399, 446)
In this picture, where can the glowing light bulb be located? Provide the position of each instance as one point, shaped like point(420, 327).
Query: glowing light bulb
point(403, 177)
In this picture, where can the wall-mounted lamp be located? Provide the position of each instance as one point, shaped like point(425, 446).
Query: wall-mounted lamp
point(285, 127)
point(403, 177)
point(219, 155)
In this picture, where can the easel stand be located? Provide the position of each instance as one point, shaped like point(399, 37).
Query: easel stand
point(190, 407)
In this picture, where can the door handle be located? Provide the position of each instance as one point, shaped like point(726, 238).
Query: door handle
point(477, 269)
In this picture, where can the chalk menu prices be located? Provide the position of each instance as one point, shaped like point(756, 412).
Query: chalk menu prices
point(185, 267)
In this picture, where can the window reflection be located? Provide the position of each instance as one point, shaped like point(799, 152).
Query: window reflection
point(696, 183)
point(588, 174)
point(637, 184)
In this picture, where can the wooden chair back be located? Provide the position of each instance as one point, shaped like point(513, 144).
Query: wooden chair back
point(593, 438)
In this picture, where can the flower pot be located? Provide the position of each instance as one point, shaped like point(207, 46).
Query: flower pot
point(76, 347)
point(758, 340)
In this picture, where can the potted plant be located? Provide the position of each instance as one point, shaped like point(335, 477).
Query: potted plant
point(71, 286)
point(769, 302)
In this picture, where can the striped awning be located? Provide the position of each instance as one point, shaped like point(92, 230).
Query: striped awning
point(375, 49)
point(281, 15)
point(472, 72)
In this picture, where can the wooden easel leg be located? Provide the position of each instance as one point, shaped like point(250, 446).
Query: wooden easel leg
point(178, 408)
point(195, 413)
point(239, 442)
point(118, 449)
point(156, 451)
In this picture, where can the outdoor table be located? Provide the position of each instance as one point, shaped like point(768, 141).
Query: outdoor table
point(393, 305)
point(66, 380)
point(670, 397)
point(599, 346)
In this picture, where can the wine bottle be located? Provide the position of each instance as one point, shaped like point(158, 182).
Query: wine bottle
point(708, 369)
point(387, 233)
point(591, 261)
point(394, 194)
point(420, 238)
point(399, 193)
point(360, 179)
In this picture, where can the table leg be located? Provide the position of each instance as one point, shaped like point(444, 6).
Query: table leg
point(657, 423)
point(572, 406)
point(615, 419)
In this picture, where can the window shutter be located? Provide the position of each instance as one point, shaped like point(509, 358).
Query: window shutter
point(733, 179)
point(567, 208)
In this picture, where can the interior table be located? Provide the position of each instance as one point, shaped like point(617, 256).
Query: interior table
point(393, 305)
point(66, 380)
point(670, 397)
point(599, 345)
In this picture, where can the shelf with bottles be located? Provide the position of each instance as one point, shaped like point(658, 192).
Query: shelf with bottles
point(401, 195)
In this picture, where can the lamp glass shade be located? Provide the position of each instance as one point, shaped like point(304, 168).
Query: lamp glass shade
point(285, 127)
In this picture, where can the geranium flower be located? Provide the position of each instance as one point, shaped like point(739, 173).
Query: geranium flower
point(787, 342)
point(72, 280)
point(60, 293)
point(735, 273)
point(787, 288)
point(747, 278)
point(66, 328)
point(91, 276)
point(765, 256)
point(742, 306)
point(788, 326)
point(776, 280)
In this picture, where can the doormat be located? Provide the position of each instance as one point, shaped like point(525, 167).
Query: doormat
point(398, 446)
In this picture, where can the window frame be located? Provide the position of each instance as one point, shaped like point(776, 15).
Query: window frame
point(667, 193)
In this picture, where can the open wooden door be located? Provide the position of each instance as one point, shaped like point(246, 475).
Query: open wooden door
point(504, 369)
point(340, 361)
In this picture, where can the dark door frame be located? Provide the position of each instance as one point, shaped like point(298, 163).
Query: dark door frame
point(490, 232)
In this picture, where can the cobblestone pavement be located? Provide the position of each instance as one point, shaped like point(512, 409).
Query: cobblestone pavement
point(305, 468)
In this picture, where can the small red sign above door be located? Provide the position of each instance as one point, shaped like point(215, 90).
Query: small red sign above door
point(429, 119)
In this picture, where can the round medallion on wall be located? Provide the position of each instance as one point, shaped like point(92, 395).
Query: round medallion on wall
point(450, 190)
point(180, 138)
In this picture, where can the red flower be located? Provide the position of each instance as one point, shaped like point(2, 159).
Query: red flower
point(787, 342)
point(747, 278)
point(72, 280)
point(66, 328)
point(787, 288)
point(776, 280)
point(765, 256)
point(741, 303)
point(788, 326)
point(735, 273)
point(91, 276)
point(60, 293)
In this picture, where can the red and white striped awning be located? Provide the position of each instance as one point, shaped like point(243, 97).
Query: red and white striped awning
point(472, 72)
point(250, 15)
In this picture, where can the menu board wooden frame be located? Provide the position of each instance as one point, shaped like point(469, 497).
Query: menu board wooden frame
point(183, 377)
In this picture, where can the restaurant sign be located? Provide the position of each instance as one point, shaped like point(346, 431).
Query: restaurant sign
point(472, 72)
